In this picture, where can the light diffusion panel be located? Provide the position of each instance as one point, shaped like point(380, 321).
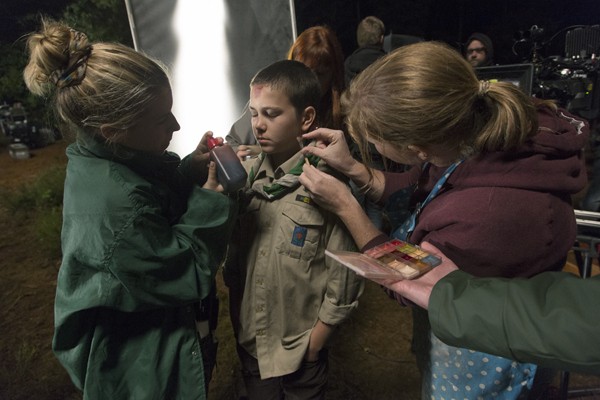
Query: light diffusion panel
point(213, 48)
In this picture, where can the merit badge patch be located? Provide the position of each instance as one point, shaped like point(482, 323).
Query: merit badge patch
point(299, 236)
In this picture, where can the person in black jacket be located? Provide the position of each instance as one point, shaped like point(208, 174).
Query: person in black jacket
point(369, 36)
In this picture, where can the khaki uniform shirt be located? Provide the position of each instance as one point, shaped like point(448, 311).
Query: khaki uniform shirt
point(289, 282)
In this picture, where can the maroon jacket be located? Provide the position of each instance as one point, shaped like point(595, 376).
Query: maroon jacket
point(507, 213)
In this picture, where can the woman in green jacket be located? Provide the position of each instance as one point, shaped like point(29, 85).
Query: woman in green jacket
point(141, 239)
point(550, 319)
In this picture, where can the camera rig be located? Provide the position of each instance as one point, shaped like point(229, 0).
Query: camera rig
point(571, 77)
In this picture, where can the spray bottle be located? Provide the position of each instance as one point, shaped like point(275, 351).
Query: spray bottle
point(230, 172)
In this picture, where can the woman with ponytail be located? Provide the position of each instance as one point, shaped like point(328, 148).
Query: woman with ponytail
point(493, 175)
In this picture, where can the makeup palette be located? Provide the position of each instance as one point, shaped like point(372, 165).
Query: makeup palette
point(394, 259)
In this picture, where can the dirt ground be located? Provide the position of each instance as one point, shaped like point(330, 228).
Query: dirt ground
point(370, 356)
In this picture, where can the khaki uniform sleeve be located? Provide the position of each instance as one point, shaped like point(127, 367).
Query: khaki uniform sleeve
point(344, 287)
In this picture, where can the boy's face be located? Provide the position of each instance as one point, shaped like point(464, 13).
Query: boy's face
point(275, 123)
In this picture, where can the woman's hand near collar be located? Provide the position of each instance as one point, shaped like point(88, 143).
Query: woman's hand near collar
point(331, 146)
point(329, 192)
point(336, 197)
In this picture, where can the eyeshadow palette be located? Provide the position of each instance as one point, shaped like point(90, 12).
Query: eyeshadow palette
point(394, 259)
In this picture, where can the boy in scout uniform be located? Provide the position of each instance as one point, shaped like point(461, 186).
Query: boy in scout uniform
point(287, 297)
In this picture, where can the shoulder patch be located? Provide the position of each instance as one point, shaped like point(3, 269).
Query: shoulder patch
point(305, 199)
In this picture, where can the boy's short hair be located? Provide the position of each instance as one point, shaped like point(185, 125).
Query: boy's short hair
point(294, 79)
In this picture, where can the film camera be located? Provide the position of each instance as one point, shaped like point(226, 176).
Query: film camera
point(571, 77)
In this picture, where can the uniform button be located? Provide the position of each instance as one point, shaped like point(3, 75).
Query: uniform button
point(260, 308)
point(194, 353)
point(259, 281)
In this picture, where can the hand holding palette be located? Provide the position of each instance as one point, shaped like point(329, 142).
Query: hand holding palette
point(394, 259)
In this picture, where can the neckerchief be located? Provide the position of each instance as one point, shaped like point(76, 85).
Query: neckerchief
point(281, 186)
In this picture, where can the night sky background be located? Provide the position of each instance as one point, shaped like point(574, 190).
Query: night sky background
point(451, 21)
point(14, 21)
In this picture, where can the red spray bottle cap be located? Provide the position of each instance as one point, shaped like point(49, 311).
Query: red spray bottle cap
point(212, 142)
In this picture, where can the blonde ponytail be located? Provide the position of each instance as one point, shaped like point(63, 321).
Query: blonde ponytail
point(427, 94)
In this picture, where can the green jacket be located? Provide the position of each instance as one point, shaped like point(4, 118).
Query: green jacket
point(552, 319)
point(141, 245)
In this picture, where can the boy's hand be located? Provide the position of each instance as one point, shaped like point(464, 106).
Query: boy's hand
point(244, 151)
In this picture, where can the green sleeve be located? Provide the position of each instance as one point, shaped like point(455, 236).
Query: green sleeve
point(155, 263)
point(551, 319)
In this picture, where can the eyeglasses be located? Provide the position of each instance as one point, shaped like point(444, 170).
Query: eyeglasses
point(476, 50)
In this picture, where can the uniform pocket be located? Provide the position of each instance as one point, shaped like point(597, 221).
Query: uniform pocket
point(301, 227)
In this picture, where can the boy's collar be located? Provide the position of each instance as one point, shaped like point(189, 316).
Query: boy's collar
point(281, 181)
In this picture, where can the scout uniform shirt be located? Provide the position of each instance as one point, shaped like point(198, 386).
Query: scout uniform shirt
point(289, 282)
